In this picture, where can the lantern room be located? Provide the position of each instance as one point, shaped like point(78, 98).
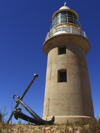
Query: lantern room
point(65, 20)
point(65, 15)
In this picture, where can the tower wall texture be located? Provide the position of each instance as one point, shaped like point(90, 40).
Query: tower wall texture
point(69, 100)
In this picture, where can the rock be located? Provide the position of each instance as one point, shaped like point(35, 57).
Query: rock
point(86, 126)
point(71, 130)
point(62, 131)
point(48, 128)
point(78, 131)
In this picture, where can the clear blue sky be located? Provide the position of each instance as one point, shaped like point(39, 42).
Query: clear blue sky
point(23, 27)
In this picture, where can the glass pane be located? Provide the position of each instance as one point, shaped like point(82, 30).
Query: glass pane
point(65, 17)
point(62, 50)
point(63, 77)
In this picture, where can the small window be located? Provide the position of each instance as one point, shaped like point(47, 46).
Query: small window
point(62, 76)
point(62, 50)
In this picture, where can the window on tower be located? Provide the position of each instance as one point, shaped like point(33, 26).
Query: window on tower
point(62, 50)
point(62, 75)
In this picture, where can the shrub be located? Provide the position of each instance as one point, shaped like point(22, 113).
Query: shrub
point(1, 117)
point(3, 114)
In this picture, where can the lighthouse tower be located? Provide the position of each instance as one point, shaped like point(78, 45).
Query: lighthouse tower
point(67, 89)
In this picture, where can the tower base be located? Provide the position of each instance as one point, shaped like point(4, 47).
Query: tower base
point(65, 119)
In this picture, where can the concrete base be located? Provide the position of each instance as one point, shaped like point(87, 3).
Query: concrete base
point(65, 119)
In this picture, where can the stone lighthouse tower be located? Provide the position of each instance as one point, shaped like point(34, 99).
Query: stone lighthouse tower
point(67, 89)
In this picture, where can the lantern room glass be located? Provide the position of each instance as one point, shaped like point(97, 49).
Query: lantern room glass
point(65, 17)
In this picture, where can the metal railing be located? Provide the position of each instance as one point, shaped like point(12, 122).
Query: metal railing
point(65, 30)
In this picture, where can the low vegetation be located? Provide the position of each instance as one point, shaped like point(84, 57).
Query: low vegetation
point(91, 126)
point(3, 114)
point(86, 126)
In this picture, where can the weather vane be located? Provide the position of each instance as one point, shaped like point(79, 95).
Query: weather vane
point(65, 4)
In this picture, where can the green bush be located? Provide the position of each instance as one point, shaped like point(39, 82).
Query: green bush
point(0, 116)
point(3, 114)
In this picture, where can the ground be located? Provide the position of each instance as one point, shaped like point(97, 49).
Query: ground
point(92, 126)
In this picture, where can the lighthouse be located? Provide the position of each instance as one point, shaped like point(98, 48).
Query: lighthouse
point(67, 88)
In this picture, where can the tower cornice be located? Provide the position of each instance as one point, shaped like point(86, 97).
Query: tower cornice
point(64, 39)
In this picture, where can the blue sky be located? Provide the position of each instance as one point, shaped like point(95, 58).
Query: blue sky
point(23, 27)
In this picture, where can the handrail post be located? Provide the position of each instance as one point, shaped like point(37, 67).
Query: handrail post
point(71, 29)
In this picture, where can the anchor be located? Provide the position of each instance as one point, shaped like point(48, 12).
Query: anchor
point(36, 119)
point(18, 114)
